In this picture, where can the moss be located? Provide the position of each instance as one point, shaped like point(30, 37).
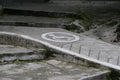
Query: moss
point(48, 54)
point(108, 77)
point(115, 75)
point(74, 28)
point(86, 19)
point(17, 61)
point(1, 12)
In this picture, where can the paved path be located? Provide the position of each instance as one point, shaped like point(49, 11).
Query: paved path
point(86, 48)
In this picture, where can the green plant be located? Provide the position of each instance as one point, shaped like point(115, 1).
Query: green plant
point(73, 28)
point(85, 18)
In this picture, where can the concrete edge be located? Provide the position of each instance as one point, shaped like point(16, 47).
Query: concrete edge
point(58, 49)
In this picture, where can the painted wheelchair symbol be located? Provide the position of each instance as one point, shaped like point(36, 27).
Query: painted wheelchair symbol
point(60, 37)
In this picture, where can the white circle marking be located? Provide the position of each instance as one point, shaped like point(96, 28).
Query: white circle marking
point(60, 37)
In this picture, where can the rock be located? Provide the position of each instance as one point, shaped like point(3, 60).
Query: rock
point(75, 26)
point(78, 24)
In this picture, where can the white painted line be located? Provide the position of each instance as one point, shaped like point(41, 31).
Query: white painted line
point(64, 50)
point(60, 37)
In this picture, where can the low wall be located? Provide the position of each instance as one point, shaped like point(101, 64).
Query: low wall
point(13, 39)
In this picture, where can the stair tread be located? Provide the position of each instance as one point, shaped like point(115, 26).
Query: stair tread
point(51, 6)
point(50, 70)
point(15, 18)
point(11, 53)
point(9, 49)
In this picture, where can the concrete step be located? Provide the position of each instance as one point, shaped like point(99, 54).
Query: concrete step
point(70, 71)
point(58, 8)
point(43, 13)
point(50, 70)
point(50, 9)
point(15, 20)
point(12, 53)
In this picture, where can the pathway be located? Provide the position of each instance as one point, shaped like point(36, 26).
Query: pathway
point(92, 50)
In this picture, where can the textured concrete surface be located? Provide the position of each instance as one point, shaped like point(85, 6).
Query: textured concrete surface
point(63, 6)
point(33, 21)
point(98, 51)
point(10, 49)
point(48, 70)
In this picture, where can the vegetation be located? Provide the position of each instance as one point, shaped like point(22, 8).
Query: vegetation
point(115, 75)
point(85, 22)
point(86, 19)
point(1, 12)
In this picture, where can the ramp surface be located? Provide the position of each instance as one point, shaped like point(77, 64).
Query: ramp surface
point(70, 43)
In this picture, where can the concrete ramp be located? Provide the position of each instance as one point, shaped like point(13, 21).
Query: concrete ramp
point(88, 50)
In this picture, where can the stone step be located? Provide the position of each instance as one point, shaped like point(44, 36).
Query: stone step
point(50, 9)
point(56, 67)
point(15, 20)
point(64, 8)
point(43, 13)
point(12, 53)
point(51, 70)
